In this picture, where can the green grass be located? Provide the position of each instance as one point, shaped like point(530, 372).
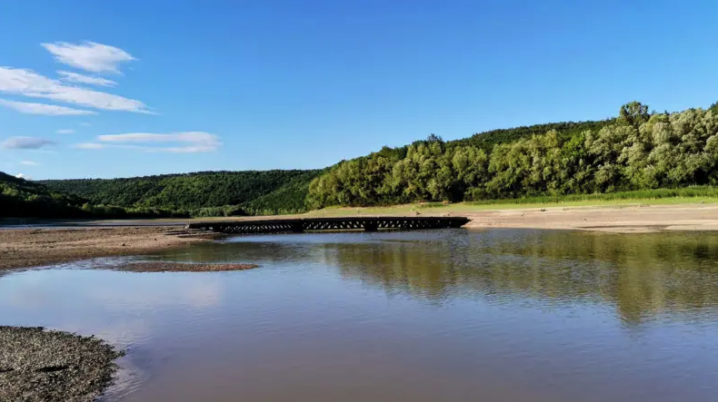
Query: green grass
point(688, 195)
point(686, 192)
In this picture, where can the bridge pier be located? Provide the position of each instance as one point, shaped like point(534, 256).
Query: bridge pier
point(297, 227)
point(371, 226)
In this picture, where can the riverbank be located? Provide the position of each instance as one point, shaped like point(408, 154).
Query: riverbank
point(22, 248)
point(38, 365)
point(615, 219)
point(37, 247)
point(614, 216)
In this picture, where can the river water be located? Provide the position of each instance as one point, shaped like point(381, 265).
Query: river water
point(446, 315)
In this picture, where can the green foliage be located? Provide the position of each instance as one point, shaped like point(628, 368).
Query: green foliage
point(487, 140)
point(200, 194)
point(637, 151)
point(22, 198)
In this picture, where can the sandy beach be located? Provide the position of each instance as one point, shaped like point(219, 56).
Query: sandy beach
point(616, 219)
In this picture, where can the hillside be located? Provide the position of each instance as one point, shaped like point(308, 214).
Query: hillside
point(22, 198)
point(255, 192)
point(201, 193)
point(637, 150)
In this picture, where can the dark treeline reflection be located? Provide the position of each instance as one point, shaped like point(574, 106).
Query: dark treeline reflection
point(645, 276)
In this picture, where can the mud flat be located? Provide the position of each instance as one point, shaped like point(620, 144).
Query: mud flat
point(48, 366)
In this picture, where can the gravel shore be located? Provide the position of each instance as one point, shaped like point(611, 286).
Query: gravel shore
point(22, 248)
point(52, 366)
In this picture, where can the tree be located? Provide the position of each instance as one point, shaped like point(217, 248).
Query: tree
point(434, 138)
point(634, 114)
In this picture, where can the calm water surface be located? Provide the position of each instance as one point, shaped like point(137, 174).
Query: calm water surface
point(452, 315)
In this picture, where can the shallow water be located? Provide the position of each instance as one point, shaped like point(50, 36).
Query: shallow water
point(450, 315)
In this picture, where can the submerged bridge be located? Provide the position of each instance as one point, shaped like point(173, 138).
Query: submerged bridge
point(299, 225)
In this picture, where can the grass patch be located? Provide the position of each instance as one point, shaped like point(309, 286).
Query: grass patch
point(705, 192)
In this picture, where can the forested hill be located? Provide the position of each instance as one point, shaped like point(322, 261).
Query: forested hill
point(488, 139)
point(22, 198)
point(201, 193)
point(637, 150)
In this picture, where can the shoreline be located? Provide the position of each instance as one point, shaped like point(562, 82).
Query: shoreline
point(36, 247)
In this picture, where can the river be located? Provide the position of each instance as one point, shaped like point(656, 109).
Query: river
point(445, 315)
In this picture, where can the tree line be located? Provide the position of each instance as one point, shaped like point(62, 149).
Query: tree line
point(637, 150)
point(634, 151)
point(198, 194)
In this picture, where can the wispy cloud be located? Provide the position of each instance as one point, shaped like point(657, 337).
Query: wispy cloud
point(65, 131)
point(29, 163)
point(31, 84)
point(89, 145)
point(185, 142)
point(26, 143)
point(190, 136)
point(85, 79)
point(85, 124)
point(89, 56)
point(44, 109)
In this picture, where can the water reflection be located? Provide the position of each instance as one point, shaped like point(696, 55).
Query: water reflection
point(645, 276)
point(449, 315)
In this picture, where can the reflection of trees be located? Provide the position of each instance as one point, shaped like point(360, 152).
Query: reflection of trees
point(643, 275)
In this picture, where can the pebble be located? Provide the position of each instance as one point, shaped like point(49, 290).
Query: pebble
point(52, 366)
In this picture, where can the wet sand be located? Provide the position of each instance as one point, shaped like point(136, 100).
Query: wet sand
point(48, 366)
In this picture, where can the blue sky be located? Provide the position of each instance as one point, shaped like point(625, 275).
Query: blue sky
point(125, 88)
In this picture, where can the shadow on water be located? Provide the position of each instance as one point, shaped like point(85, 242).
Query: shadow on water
point(645, 276)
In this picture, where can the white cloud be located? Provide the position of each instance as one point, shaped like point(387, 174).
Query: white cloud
point(22, 176)
point(31, 84)
point(89, 145)
point(65, 131)
point(190, 136)
point(89, 56)
point(85, 124)
point(44, 109)
point(26, 143)
point(85, 79)
point(196, 142)
point(29, 163)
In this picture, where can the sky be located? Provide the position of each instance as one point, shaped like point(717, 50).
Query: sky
point(102, 89)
